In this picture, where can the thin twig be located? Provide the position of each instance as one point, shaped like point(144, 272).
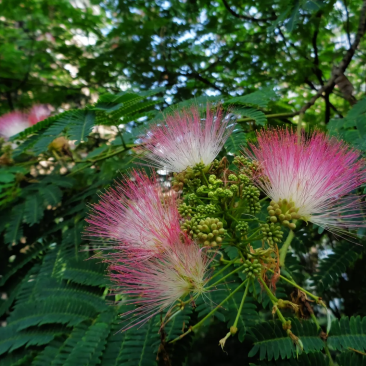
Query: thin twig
point(330, 84)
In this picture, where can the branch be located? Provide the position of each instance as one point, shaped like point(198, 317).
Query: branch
point(347, 23)
point(330, 84)
point(10, 100)
point(207, 82)
point(196, 75)
point(307, 81)
point(246, 17)
point(317, 71)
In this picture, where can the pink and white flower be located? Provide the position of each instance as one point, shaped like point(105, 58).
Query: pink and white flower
point(38, 113)
point(12, 123)
point(135, 216)
point(15, 122)
point(157, 284)
point(316, 175)
point(184, 139)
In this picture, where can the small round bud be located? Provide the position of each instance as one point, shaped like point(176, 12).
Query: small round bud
point(292, 226)
point(273, 219)
point(233, 330)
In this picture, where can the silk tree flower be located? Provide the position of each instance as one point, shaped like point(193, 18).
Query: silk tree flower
point(159, 283)
point(135, 216)
point(184, 139)
point(15, 122)
point(310, 178)
point(38, 113)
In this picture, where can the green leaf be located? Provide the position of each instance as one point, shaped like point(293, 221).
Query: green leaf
point(53, 310)
point(90, 348)
point(279, 20)
point(272, 341)
point(357, 110)
point(332, 267)
point(314, 5)
point(351, 358)
point(42, 126)
point(33, 210)
point(11, 338)
point(236, 141)
point(14, 230)
point(61, 181)
point(258, 116)
point(81, 126)
point(88, 272)
point(19, 358)
point(294, 17)
point(260, 98)
point(50, 287)
point(59, 355)
point(311, 359)
point(6, 177)
point(20, 261)
point(51, 193)
point(348, 332)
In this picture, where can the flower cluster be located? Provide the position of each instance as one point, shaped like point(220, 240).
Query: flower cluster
point(184, 139)
point(156, 241)
point(137, 225)
point(311, 179)
point(14, 122)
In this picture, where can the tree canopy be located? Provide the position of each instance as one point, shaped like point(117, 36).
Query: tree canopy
point(109, 70)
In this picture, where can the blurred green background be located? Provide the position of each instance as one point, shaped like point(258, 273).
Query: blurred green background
point(107, 69)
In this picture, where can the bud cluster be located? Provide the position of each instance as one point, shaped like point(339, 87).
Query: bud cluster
point(272, 233)
point(206, 210)
point(198, 168)
point(189, 178)
point(185, 210)
point(251, 269)
point(283, 211)
point(247, 167)
point(251, 194)
point(243, 227)
point(209, 231)
point(214, 189)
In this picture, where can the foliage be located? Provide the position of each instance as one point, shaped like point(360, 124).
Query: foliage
point(262, 61)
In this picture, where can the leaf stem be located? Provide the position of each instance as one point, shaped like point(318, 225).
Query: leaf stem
point(241, 305)
point(285, 246)
point(225, 277)
point(269, 116)
point(326, 349)
point(229, 263)
point(315, 320)
point(210, 313)
point(297, 286)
